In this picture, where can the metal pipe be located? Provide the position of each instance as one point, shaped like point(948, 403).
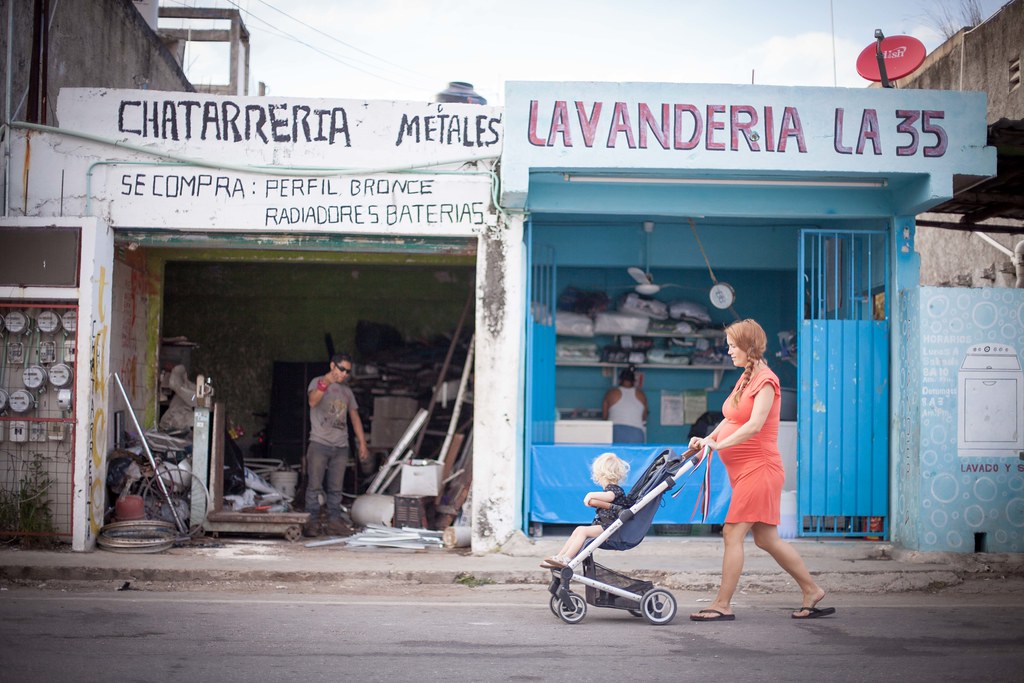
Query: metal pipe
point(152, 461)
point(311, 171)
point(7, 108)
point(994, 243)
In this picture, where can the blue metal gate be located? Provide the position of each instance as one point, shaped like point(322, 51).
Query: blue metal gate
point(843, 374)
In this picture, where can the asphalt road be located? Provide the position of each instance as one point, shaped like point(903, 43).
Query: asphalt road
point(491, 633)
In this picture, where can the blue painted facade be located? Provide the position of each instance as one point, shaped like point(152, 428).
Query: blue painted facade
point(969, 491)
point(754, 168)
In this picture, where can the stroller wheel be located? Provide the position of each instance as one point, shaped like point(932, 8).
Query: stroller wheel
point(637, 613)
point(658, 606)
point(573, 611)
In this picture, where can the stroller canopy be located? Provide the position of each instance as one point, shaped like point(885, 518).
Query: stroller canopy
point(665, 465)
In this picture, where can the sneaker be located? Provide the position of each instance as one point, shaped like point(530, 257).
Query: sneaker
point(337, 527)
point(311, 529)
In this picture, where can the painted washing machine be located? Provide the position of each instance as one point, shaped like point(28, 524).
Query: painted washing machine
point(990, 393)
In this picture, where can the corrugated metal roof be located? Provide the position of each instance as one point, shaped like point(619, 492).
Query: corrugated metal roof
point(1000, 199)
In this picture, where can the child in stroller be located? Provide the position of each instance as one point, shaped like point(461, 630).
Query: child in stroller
point(604, 587)
point(607, 471)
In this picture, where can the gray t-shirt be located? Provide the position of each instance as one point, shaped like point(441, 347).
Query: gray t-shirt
point(328, 419)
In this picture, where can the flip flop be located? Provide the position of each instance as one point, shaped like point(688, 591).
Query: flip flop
point(814, 612)
point(718, 616)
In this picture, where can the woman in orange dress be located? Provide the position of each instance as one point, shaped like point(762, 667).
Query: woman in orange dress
point(747, 442)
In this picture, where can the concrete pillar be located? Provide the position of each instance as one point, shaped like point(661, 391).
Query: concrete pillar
point(497, 429)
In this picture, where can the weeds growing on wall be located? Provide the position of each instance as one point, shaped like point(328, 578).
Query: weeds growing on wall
point(25, 513)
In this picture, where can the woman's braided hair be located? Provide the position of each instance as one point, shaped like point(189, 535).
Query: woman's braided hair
point(750, 338)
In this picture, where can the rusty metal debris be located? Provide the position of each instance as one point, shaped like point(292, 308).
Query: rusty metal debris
point(137, 536)
point(377, 536)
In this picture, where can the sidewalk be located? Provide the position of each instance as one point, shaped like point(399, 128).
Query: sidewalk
point(681, 563)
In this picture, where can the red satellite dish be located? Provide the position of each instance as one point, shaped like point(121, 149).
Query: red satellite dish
point(903, 54)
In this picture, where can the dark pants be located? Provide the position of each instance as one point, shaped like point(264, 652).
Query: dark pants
point(325, 460)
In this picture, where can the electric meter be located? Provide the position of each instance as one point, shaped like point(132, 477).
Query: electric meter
point(60, 375)
point(15, 353)
point(3, 400)
point(47, 352)
point(48, 322)
point(21, 401)
point(34, 376)
point(69, 320)
point(17, 322)
point(64, 399)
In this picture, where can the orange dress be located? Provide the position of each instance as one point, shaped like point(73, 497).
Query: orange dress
point(754, 466)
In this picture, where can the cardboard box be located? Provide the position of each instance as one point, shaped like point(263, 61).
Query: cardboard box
point(392, 416)
point(420, 478)
point(386, 432)
point(395, 407)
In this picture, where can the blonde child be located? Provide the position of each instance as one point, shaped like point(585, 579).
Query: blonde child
point(607, 471)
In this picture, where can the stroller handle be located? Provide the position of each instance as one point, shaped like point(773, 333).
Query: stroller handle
point(690, 452)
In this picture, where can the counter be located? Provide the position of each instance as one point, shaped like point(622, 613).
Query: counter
point(560, 477)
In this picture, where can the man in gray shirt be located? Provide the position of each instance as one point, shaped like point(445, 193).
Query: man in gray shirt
point(332, 406)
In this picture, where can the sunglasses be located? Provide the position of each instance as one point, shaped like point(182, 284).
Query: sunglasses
point(342, 368)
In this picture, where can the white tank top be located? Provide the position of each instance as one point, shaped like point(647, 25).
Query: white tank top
point(628, 410)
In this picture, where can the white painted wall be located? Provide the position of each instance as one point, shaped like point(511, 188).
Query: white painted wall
point(93, 387)
point(497, 417)
point(144, 159)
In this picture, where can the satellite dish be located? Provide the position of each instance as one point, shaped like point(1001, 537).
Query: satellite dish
point(901, 54)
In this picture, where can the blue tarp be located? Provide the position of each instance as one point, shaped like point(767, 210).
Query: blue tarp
point(561, 478)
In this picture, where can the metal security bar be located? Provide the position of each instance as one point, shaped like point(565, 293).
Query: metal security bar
point(843, 374)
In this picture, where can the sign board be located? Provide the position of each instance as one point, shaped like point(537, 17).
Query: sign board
point(689, 129)
point(272, 164)
point(901, 54)
point(397, 204)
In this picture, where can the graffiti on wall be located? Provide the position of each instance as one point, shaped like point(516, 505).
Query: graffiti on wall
point(98, 434)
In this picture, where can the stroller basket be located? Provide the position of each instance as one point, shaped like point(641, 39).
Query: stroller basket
point(600, 598)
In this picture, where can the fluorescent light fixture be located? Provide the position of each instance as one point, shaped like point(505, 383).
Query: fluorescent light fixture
point(731, 182)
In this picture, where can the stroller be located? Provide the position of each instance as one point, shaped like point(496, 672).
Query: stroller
point(606, 588)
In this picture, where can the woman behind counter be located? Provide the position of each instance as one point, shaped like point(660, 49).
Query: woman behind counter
point(747, 442)
point(626, 406)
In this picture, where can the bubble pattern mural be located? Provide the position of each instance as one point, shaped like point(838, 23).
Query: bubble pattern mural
point(971, 492)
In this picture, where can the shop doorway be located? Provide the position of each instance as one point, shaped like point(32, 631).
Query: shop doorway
point(843, 374)
point(261, 323)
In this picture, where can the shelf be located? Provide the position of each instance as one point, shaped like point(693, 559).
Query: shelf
point(641, 366)
point(699, 334)
point(718, 370)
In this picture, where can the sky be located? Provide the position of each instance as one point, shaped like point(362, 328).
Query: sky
point(409, 50)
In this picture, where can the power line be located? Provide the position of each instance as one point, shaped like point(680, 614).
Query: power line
point(271, 28)
point(329, 55)
point(342, 42)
